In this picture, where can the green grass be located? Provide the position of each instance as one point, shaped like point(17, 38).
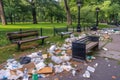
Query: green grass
point(7, 49)
point(30, 25)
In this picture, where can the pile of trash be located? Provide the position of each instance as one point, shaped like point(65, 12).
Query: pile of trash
point(56, 61)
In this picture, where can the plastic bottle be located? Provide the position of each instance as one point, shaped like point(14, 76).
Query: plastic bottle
point(25, 74)
point(34, 74)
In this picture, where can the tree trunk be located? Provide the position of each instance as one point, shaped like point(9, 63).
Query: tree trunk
point(34, 13)
point(69, 20)
point(51, 19)
point(2, 15)
point(11, 19)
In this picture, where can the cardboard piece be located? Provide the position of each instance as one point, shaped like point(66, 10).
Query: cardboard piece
point(29, 66)
point(57, 51)
point(14, 72)
point(45, 70)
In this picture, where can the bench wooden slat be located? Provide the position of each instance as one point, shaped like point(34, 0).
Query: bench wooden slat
point(91, 45)
point(25, 36)
point(81, 47)
point(62, 31)
point(31, 39)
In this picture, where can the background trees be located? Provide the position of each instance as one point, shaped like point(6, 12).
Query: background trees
point(2, 14)
point(53, 11)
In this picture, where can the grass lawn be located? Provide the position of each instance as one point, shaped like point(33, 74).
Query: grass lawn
point(7, 49)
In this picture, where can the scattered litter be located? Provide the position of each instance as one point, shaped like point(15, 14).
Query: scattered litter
point(51, 65)
point(29, 66)
point(66, 67)
point(105, 49)
point(59, 59)
point(56, 59)
point(72, 36)
point(90, 58)
point(107, 60)
point(73, 72)
point(91, 69)
point(109, 65)
point(44, 56)
point(86, 74)
point(113, 77)
point(40, 65)
point(25, 60)
point(58, 69)
point(45, 70)
point(95, 65)
point(41, 76)
point(56, 79)
point(52, 49)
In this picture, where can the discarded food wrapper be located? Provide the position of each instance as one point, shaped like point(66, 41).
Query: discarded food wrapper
point(44, 56)
point(91, 69)
point(56, 59)
point(86, 74)
point(67, 67)
point(52, 48)
point(41, 76)
point(51, 65)
point(40, 65)
point(58, 69)
point(65, 58)
point(4, 74)
point(32, 55)
point(63, 52)
point(13, 65)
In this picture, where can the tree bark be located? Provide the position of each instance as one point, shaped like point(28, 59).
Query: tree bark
point(34, 13)
point(2, 14)
point(69, 20)
point(11, 19)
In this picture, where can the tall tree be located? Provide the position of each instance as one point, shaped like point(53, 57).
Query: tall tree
point(32, 2)
point(2, 15)
point(69, 20)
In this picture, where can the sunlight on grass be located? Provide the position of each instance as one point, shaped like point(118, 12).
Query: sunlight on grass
point(30, 25)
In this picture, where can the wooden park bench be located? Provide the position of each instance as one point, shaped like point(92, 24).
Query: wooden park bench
point(62, 31)
point(20, 37)
point(81, 47)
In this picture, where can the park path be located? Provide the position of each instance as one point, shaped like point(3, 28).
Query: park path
point(113, 47)
point(108, 64)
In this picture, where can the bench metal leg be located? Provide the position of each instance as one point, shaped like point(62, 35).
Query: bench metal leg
point(19, 46)
point(61, 36)
point(42, 41)
point(96, 47)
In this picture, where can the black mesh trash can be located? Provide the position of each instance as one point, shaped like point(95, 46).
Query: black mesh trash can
point(78, 50)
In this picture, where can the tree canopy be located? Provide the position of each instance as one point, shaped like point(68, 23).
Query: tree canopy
point(59, 11)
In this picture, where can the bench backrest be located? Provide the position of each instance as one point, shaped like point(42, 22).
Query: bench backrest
point(58, 30)
point(87, 39)
point(19, 35)
point(83, 40)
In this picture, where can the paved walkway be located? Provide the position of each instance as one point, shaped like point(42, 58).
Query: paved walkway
point(113, 48)
point(108, 67)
